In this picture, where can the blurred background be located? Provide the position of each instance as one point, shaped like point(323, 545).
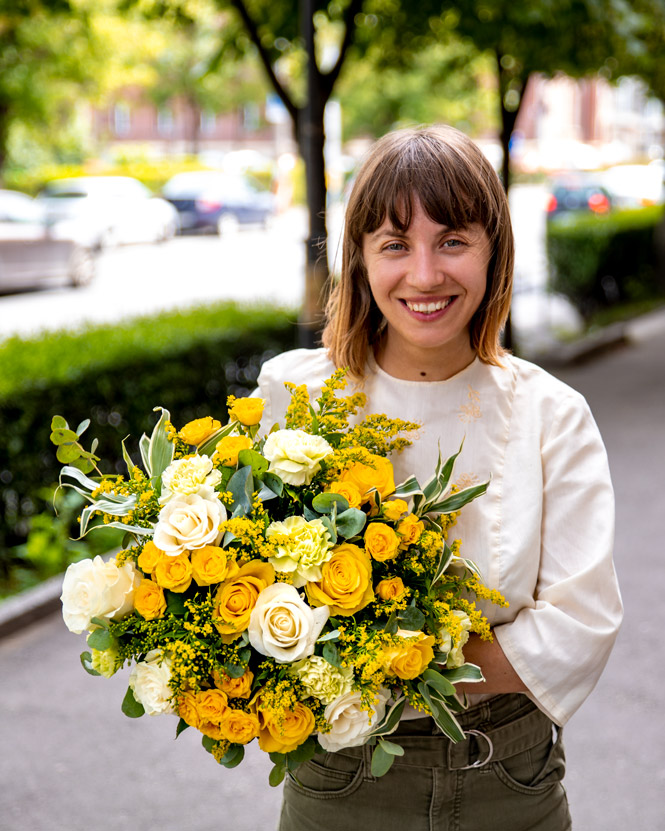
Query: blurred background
point(172, 183)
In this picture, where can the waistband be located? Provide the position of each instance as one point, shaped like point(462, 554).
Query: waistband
point(496, 729)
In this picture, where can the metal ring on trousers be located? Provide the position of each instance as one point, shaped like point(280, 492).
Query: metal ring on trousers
point(490, 750)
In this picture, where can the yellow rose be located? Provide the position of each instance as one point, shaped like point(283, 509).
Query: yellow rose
point(210, 728)
point(364, 477)
point(283, 733)
point(149, 600)
point(394, 509)
point(346, 581)
point(239, 727)
point(247, 411)
point(390, 589)
point(381, 542)
point(211, 564)
point(411, 659)
point(228, 448)
point(235, 599)
point(348, 490)
point(410, 529)
point(211, 705)
point(234, 687)
point(197, 431)
point(149, 557)
point(187, 709)
point(174, 573)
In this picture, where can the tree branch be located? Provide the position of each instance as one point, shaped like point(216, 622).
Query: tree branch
point(253, 32)
point(329, 78)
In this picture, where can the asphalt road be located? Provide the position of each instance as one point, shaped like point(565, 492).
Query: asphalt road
point(72, 762)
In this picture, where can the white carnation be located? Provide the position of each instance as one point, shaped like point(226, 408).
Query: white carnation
point(194, 475)
point(307, 548)
point(95, 588)
point(456, 654)
point(283, 626)
point(351, 724)
point(149, 681)
point(188, 522)
point(322, 680)
point(295, 456)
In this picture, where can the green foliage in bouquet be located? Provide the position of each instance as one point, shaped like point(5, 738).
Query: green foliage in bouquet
point(276, 584)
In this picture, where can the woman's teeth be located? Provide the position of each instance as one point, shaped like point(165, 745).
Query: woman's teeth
point(428, 308)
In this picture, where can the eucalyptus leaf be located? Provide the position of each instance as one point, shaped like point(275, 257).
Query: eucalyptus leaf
point(411, 618)
point(234, 670)
point(391, 747)
point(303, 753)
point(84, 465)
point(255, 460)
point(67, 453)
point(83, 426)
point(63, 435)
point(100, 621)
point(59, 423)
point(350, 523)
point(392, 625)
point(100, 639)
point(130, 706)
point(86, 663)
point(175, 603)
point(272, 481)
point(182, 726)
point(330, 527)
point(382, 761)
point(309, 514)
point(329, 636)
point(241, 486)
point(233, 756)
point(207, 743)
point(331, 654)
point(324, 503)
point(276, 776)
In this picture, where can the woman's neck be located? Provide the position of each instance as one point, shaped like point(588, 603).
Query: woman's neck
point(410, 364)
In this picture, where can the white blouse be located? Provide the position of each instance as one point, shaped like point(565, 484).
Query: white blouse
point(542, 534)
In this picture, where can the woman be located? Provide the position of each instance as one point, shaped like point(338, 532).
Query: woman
point(417, 316)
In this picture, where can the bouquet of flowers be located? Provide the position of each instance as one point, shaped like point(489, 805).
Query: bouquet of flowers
point(277, 585)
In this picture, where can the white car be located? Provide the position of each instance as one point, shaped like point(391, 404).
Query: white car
point(114, 210)
point(636, 185)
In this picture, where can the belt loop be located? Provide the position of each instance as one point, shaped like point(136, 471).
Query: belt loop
point(459, 754)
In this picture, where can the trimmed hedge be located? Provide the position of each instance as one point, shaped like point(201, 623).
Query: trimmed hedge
point(597, 261)
point(116, 375)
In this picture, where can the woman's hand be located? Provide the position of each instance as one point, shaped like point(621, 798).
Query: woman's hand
point(500, 677)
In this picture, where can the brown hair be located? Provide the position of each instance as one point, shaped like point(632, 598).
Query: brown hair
point(456, 186)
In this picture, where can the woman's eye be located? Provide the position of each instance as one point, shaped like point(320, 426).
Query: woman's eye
point(394, 246)
point(452, 243)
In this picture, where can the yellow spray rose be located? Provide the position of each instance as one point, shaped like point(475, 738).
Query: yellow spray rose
point(410, 529)
point(234, 687)
point(394, 509)
point(381, 542)
point(346, 581)
point(228, 448)
point(390, 589)
point(187, 708)
point(379, 475)
point(211, 564)
point(174, 573)
point(409, 660)
point(247, 411)
point(235, 599)
point(283, 733)
point(239, 727)
point(211, 705)
point(149, 600)
point(197, 431)
point(348, 490)
point(149, 557)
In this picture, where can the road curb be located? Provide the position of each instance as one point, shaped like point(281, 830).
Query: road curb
point(30, 606)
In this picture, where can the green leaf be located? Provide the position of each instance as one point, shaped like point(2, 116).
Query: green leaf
point(411, 618)
point(391, 626)
point(391, 747)
point(208, 743)
point(175, 603)
point(100, 621)
point(276, 776)
point(467, 673)
point(434, 679)
point(59, 423)
point(233, 756)
point(329, 636)
point(303, 753)
point(86, 663)
point(324, 503)
point(458, 500)
point(445, 720)
point(234, 670)
point(84, 465)
point(391, 718)
point(255, 460)
point(331, 654)
point(161, 449)
point(100, 639)
point(382, 761)
point(182, 726)
point(272, 481)
point(68, 453)
point(241, 485)
point(83, 426)
point(409, 487)
point(350, 523)
point(309, 514)
point(332, 531)
point(130, 706)
point(63, 436)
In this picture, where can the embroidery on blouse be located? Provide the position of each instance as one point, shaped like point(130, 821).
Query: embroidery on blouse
point(471, 411)
point(466, 480)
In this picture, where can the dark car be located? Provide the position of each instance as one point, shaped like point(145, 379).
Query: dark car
point(215, 201)
point(577, 193)
point(34, 250)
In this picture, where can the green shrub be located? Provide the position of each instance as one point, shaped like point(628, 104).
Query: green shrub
point(597, 261)
point(115, 375)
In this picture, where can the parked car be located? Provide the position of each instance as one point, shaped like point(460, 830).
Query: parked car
point(34, 250)
point(116, 209)
point(214, 201)
point(577, 192)
point(636, 185)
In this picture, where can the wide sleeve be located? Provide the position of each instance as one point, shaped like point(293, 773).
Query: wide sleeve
point(560, 642)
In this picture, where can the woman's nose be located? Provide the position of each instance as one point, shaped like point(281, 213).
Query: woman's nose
point(424, 271)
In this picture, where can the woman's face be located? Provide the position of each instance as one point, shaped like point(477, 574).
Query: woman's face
point(428, 281)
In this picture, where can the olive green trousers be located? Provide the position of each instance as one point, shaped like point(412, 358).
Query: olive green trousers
point(506, 776)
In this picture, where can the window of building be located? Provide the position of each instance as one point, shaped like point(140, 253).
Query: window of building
point(122, 119)
point(165, 121)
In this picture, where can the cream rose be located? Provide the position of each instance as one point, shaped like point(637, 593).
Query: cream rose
point(322, 680)
point(188, 522)
point(149, 681)
point(295, 456)
point(283, 626)
point(94, 588)
point(308, 546)
point(187, 476)
point(351, 725)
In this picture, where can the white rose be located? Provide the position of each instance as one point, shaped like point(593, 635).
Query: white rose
point(283, 626)
point(94, 588)
point(149, 680)
point(456, 654)
point(322, 680)
point(295, 456)
point(188, 522)
point(308, 547)
point(187, 476)
point(351, 725)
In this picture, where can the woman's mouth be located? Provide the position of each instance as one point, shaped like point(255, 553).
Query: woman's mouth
point(428, 308)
